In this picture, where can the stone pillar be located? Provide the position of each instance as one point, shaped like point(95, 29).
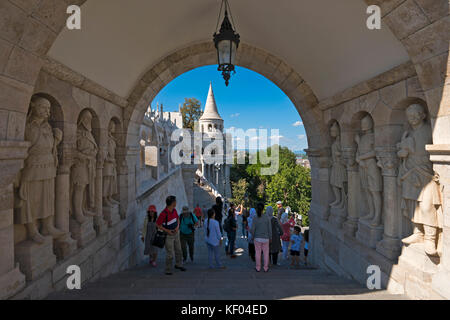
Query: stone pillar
point(440, 156)
point(390, 246)
point(12, 154)
point(65, 245)
point(203, 168)
point(321, 197)
point(351, 224)
point(99, 223)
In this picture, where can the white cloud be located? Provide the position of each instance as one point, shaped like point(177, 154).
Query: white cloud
point(276, 137)
point(235, 115)
point(301, 136)
point(297, 124)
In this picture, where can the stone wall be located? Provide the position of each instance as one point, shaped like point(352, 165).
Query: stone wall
point(109, 241)
point(342, 240)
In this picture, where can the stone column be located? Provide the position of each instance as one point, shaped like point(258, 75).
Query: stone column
point(65, 245)
point(354, 196)
point(390, 246)
point(321, 197)
point(99, 223)
point(227, 181)
point(12, 155)
point(440, 156)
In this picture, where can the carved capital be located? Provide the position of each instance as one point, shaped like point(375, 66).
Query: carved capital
point(319, 158)
point(388, 162)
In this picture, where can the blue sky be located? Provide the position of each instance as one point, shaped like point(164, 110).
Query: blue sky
point(250, 101)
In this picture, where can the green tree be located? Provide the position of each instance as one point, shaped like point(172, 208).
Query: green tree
point(191, 112)
point(291, 184)
point(239, 190)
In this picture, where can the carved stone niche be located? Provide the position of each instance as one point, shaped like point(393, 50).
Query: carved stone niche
point(110, 178)
point(338, 177)
point(34, 218)
point(82, 180)
point(370, 228)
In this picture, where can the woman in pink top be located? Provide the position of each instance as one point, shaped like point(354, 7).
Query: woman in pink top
point(286, 237)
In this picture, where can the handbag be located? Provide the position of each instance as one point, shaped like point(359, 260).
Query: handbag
point(160, 237)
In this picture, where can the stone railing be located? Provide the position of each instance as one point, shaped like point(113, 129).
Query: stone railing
point(209, 185)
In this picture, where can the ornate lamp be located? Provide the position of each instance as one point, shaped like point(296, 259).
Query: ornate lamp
point(226, 42)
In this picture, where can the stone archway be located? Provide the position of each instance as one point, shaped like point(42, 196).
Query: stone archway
point(197, 55)
point(29, 28)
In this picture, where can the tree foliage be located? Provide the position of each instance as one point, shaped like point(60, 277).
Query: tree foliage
point(291, 184)
point(191, 112)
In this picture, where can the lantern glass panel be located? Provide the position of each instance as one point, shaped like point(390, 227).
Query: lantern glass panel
point(224, 52)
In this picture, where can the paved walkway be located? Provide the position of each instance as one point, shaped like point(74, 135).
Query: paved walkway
point(238, 281)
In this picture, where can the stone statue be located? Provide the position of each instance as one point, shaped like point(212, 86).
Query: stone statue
point(36, 194)
point(338, 172)
point(369, 171)
point(110, 169)
point(421, 197)
point(83, 171)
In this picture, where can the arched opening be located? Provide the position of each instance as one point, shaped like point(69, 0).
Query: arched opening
point(423, 35)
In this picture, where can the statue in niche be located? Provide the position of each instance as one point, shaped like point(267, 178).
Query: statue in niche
point(110, 169)
point(421, 197)
point(36, 194)
point(83, 171)
point(338, 172)
point(369, 171)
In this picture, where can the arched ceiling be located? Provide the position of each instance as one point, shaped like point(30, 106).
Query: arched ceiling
point(326, 41)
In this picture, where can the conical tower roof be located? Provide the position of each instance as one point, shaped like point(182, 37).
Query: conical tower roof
point(211, 112)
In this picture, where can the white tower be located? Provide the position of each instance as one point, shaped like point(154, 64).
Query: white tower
point(211, 121)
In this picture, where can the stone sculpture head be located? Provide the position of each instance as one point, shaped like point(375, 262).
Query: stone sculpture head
point(86, 120)
point(334, 130)
point(112, 127)
point(415, 114)
point(366, 123)
point(40, 108)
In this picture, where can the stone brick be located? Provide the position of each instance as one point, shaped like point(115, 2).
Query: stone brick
point(5, 51)
point(23, 66)
point(434, 9)
point(37, 38)
point(14, 95)
point(432, 72)
point(16, 126)
point(429, 41)
point(406, 19)
point(12, 21)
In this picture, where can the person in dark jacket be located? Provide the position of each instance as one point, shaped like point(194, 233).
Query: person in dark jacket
point(218, 208)
point(277, 232)
point(230, 227)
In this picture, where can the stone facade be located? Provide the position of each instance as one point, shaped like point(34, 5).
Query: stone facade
point(341, 241)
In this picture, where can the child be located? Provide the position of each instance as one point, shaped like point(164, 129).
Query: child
point(296, 240)
point(148, 234)
point(213, 239)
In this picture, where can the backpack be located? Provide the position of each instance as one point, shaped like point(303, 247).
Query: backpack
point(227, 225)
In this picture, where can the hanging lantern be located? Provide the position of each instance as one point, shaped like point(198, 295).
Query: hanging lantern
point(227, 43)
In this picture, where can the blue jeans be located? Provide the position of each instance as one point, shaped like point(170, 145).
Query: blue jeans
point(214, 251)
point(231, 236)
point(244, 230)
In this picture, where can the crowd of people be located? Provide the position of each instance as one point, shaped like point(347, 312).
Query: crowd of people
point(267, 232)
